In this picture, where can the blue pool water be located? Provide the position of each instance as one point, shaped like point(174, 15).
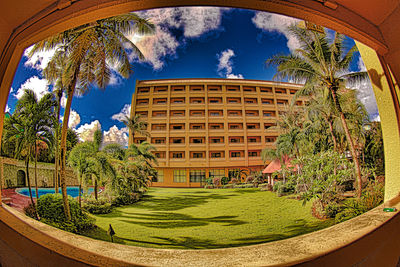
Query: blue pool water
point(71, 190)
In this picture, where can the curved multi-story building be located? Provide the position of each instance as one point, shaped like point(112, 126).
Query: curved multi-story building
point(208, 127)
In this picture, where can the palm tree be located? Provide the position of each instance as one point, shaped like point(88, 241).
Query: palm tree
point(136, 126)
point(77, 159)
point(90, 50)
point(322, 64)
point(143, 152)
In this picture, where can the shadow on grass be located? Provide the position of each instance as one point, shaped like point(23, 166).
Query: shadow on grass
point(168, 220)
point(177, 202)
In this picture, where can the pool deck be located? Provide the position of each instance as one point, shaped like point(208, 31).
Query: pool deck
point(18, 201)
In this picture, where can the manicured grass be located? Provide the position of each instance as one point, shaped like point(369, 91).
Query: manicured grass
point(206, 219)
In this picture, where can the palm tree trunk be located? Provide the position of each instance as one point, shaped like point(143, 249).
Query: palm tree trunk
point(36, 182)
point(29, 181)
point(57, 155)
point(95, 188)
point(332, 135)
point(80, 189)
point(350, 140)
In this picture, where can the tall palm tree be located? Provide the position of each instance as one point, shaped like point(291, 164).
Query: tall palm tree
point(322, 64)
point(54, 73)
point(136, 126)
point(90, 50)
point(142, 152)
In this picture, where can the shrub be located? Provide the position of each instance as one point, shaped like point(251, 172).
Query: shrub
point(125, 199)
point(332, 209)
point(208, 186)
point(276, 186)
point(100, 206)
point(248, 185)
point(30, 210)
point(216, 181)
point(249, 179)
point(238, 186)
point(51, 211)
point(234, 181)
point(209, 180)
point(265, 187)
point(227, 186)
point(224, 180)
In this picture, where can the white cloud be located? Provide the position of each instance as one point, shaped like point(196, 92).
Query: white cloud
point(74, 119)
point(277, 23)
point(63, 101)
point(86, 131)
point(193, 21)
point(125, 111)
point(225, 64)
point(38, 85)
point(115, 135)
point(366, 93)
point(39, 60)
point(11, 90)
point(7, 108)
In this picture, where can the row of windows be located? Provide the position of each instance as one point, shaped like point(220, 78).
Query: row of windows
point(195, 176)
point(202, 140)
point(211, 126)
point(211, 113)
point(212, 154)
point(216, 88)
point(214, 100)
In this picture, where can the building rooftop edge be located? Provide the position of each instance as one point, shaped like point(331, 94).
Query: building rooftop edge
point(155, 81)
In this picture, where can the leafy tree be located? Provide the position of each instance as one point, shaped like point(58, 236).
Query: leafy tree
point(89, 52)
point(322, 64)
point(136, 126)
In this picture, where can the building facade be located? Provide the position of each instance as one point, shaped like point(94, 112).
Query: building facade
point(205, 128)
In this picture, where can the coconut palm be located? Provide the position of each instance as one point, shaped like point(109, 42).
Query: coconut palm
point(142, 152)
point(320, 64)
point(136, 125)
point(91, 50)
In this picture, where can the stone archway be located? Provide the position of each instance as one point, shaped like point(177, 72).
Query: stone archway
point(21, 178)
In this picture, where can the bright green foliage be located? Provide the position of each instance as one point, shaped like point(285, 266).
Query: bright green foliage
point(322, 175)
point(99, 206)
point(51, 211)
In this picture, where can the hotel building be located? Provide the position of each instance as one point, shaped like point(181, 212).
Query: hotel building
point(208, 127)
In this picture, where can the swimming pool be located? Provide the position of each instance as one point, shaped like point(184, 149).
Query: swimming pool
point(71, 190)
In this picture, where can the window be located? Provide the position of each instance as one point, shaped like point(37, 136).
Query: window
point(253, 126)
point(253, 139)
point(158, 127)
point(158, 140)
point(216, 154)
point(216, 173)
point(198, 155)
point(159, 155)
point(215, 113)
point(197, 113)
point(292, 91)
point(235, 126)
point(196, 88)
point(178, 140)
point(159, 113)
point(214, 88)
point(234, 113)
point(269, 114)
point(197, 176)
point(160, 176)
point(215, 126)
point(250, 100)
point(139, 140)
point(160, 89)
point(177, 155)
point(179, 176)
point(267, 101)
point(266, 89)
point(251, 113)
point(177, 100)
point(268, 125)
point(177, 126)
point(235, 139)
point(281, 102)
point(197, 126)
point(177, 113)
point(143, 90)
point(196, 100)
point(216, 100)
point(253, 154)
point(159, 101)
point(199, 140)
point(280, 91)
point(270, 139)
point(141, 102)
point(232, 88)
point(249, 89)
point(142, 113)
point(216, 140)
point(235, 154)
point(178, 88)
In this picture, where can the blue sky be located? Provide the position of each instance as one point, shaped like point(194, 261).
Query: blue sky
point(190, 42)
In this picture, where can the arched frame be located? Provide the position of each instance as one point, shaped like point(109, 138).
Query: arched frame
point(363, 239)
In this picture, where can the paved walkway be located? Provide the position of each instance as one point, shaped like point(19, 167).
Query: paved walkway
point(18, 201)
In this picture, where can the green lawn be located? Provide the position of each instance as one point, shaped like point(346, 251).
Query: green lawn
point(204, 219)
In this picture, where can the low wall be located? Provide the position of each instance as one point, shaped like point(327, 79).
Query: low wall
point(11, 169)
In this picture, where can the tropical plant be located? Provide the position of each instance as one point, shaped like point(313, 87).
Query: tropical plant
point(322, 64)
point(136, 126)
point(90, 51)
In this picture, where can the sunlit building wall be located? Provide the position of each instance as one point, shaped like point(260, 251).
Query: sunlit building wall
point(208, 127)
